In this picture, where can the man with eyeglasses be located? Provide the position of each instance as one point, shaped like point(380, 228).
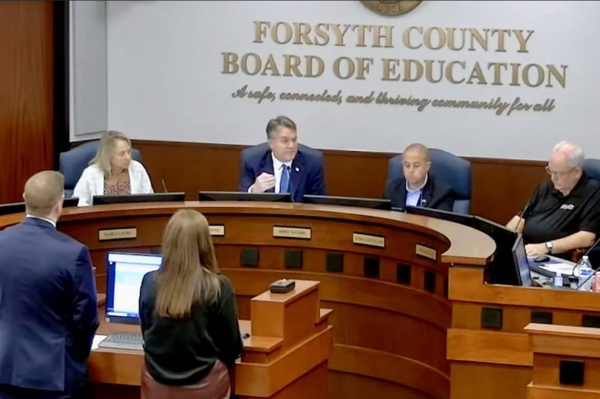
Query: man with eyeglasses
point(563, 213)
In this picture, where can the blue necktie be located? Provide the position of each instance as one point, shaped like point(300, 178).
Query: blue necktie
point(284, 186)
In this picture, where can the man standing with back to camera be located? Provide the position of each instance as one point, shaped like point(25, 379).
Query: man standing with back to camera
point(48, 306)
point(282, 167)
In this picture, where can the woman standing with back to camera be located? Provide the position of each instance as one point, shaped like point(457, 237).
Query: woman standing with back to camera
point(188, 317)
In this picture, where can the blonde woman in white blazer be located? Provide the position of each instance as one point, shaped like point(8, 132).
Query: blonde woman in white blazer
point(112, 171)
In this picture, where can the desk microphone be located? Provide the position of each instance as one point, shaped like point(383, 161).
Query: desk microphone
point(587, 279)
point(164, 185)
point(525, 208)
point(585, 254)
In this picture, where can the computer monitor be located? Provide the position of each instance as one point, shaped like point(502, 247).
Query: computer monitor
point(243, 196)
point(15, 207)
point(502, 269)
point(520, 260)
point(70, 202)
point(373, 203)
point(19, 207)
point(124, 274)
point(466, 220)
point(137, 198)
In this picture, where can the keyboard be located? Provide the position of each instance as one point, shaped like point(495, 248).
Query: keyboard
point(129, 341)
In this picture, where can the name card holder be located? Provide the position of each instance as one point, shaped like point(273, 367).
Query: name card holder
point(426, 252)
point(301, 233)
point(369, 240)
point(217, 230)
point(125, 233)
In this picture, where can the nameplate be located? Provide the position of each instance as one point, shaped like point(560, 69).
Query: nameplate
point(368, 240)
point(117, 234)
point(426, 252)
point(301, 233)
point(217, 230)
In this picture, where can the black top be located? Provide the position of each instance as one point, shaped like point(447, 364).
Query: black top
point(436, 194)
point(183, 352)
point(551, 215)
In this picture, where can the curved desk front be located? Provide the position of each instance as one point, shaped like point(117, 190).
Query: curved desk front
point(384, 274)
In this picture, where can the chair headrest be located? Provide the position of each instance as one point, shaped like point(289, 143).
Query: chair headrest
point(592, 168)
point(73, 162)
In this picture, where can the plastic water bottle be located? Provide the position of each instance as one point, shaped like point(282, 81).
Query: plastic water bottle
point(585, 272)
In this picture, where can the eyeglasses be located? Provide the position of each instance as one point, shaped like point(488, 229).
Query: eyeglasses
point(551, 173)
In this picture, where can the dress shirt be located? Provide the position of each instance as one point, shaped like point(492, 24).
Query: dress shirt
point(413, 196)
point(277, 169)
point(52, 222)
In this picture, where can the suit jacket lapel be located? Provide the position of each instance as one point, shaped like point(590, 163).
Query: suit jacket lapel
point(298, 172)
point(266, 166)
point(402, 192)
point(427, 195)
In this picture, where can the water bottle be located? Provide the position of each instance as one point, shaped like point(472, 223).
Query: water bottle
point(585, 272)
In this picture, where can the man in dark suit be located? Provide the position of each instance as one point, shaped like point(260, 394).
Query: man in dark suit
point(418, 187)
point(282, 167)
point(48, 306)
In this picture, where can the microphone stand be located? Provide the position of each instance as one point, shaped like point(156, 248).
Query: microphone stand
point(585, 254)
point(521, 217)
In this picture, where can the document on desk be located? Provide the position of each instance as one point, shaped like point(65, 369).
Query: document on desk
point(563, 269)
point(97, 340)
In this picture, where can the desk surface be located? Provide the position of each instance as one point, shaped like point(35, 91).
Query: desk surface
point(466, 245)
point(112, 328)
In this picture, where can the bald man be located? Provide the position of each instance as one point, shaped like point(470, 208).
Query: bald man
point(563, 213)
point(417, 187)
point(48, 307)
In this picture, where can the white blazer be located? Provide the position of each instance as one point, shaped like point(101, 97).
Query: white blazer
point(91, 183)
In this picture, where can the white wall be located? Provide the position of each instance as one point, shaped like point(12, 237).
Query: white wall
point(165, 79)
point(88, 76)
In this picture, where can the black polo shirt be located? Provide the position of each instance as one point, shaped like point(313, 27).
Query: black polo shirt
point(551, 215)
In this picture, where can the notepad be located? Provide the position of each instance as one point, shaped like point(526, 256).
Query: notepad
point(559, 268)
point(97, 340)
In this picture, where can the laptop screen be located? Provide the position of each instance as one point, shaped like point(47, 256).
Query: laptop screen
point(124, 274)
point(521, 262)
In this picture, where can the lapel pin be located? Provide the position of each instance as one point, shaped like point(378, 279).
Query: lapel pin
point(297, 169)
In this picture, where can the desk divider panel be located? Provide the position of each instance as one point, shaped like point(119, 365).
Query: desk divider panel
point(496, 351)
point(566, 362)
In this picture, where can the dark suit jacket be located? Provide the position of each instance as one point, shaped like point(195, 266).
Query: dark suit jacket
point(48, 308)
point(436, 194)
point(306, 175)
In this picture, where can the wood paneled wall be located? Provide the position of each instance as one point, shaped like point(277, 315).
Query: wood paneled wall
point(26, 93)
point(500, 187)
point(28, 134)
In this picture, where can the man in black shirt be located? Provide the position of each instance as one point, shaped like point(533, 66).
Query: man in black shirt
point(563, 214)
